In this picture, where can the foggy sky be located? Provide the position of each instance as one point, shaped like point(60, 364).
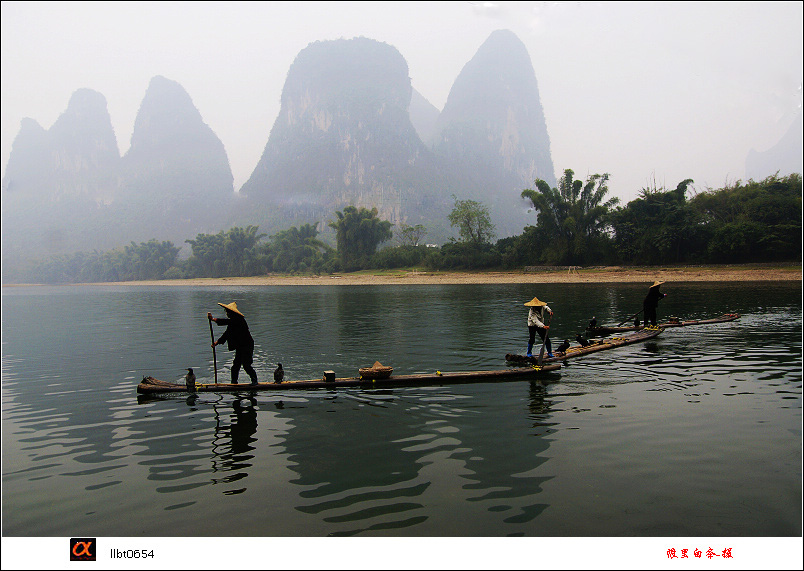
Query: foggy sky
point(648, 92)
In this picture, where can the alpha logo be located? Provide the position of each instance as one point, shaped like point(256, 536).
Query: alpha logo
point(83, 549)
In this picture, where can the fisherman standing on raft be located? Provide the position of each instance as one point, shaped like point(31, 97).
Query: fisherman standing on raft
point(536, 324)
point(239, 340)
point(651, 302)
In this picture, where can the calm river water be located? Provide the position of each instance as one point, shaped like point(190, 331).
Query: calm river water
point(697, 433)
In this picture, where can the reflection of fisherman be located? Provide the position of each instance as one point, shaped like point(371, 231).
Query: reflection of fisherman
point(239, 340)
point(651, 302)
point(536, 324)
point(245, 425)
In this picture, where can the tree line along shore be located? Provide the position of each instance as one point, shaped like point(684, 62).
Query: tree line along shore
point(575, 226)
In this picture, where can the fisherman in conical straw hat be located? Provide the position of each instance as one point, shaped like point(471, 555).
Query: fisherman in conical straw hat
point(536, 324)
point(651, 302)
point(239, 340)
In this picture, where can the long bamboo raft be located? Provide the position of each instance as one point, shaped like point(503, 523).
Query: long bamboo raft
point(594, 346)
point(609, 330)
point(150, 385)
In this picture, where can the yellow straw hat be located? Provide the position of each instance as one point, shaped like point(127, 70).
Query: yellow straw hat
point(231, 307)
point(656, 284)
point(535, 302)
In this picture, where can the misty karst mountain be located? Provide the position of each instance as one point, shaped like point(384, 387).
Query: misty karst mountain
point(493, 122)
point(344, 136)
point(175, 178)
point(58, 181)
point(351, 130)
point(77, 159)
point(67, 189)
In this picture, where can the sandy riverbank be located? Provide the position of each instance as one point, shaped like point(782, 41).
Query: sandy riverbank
point(608, 274)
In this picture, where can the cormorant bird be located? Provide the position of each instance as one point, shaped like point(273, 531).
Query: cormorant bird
point(563, 347)
point(593, 323)
point(582, 340)
point(189, 378)
point(279, 374)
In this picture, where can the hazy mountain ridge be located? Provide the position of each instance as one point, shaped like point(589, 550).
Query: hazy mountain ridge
point(351, 130)
point(785, 156)
point(344, 136)
point(76, 158)
point(59, 181)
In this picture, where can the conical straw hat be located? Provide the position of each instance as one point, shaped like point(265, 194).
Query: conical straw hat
point(231, 307)
point(656, 284)
point(535, 302)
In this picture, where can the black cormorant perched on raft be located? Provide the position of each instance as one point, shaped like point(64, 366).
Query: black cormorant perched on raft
point(189, 379)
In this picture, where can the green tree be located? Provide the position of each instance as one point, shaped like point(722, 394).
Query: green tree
point(473, 221)
point(753, 221)
point(238, 246)
point(149, 260)
point(145, 261)
point(411, 235)
point(207, 255)
point(571, 219)
point(358, 233)
point(298, 250)
point(658, 227)
point(225, 253)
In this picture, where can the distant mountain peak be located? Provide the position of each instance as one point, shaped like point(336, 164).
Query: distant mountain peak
point(494, 107)
point(494, 126)
point(343, 135)
point(166, 115)
point(175, 161)
point(73, 160)
point(85, 99)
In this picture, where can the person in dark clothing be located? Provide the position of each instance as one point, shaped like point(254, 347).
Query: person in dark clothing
point(239, 340)
point(651, 302)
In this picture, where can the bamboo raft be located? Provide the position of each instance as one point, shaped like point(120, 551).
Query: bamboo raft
point(672, 322)
point(593, 347)
point(150, 385)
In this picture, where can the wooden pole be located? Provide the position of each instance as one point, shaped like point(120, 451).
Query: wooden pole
point(214, 357)
point(629, 318)
point(544, 342)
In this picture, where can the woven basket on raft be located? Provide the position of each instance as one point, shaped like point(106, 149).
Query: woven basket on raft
point(376, 371)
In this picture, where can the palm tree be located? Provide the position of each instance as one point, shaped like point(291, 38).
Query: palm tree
point(571, 218)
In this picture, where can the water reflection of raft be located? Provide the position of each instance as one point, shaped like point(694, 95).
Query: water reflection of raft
point(594, 346)
point(150, 385)
point(672, 322)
